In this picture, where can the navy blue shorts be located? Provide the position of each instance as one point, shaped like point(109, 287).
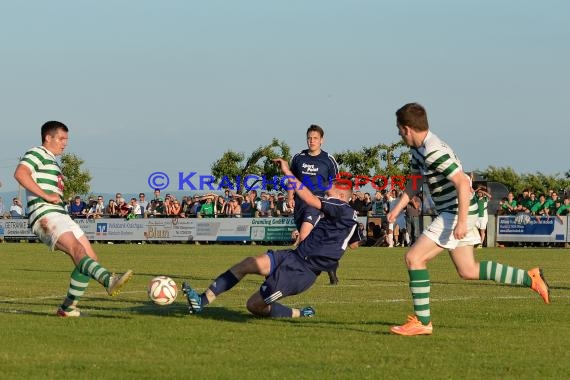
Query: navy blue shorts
point(306, 213)
point(289, 275)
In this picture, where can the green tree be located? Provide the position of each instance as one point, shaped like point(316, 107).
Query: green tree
point(538, 182)
point(76, 179)
point(233, 165)
point(507, 176)
point(541, 183)
point(381, 159)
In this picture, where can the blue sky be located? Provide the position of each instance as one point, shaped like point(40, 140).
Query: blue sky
point(169, 86)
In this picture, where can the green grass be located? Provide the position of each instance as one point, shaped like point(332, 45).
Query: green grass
point(481, 330)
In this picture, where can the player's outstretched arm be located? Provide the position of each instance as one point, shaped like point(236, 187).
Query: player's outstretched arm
point(303, 193)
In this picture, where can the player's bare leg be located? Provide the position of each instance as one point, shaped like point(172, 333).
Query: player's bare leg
point(257, 306)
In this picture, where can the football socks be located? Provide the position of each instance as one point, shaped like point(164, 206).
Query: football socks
point(223, 283)
point(280, 311)
point(420, 288)
point(92, 268)
point(77, 286)
point(504, 274)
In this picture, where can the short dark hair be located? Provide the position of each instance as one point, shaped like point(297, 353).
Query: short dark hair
point(414, 116)
point(316, 128)
point(51, 127)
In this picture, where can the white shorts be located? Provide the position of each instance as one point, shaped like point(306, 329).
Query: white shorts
point(440, 231)
point(482, 222)
point(51, 226)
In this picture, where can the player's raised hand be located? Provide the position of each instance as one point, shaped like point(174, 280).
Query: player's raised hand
point(283, 164)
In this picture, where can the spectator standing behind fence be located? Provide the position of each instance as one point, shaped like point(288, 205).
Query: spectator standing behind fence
point(377, 205)
point(118, 197)
point(509, 206)
point(234, 208)
point(524, 201)
point(413, 212)
point(123, 208)
point(550, 203)
point(539, 209)
point(564, 209)
point(483, 198)
point(246, 205)
point(150, 211)
point(167, 204)
point(222, 206)
point(358, 203)
point(16, 209)
point(281, 208)
point(97, 209)
point(143, 203)
point(401, 236)
point(176, 208)
point(77, 208)
point(134, 209)
point(391, 202)
point(264, 206)
point(196, 206)
point(1, 207)
point(111, 210)
point(367, 203)
point(186, 207)
point(207, 209)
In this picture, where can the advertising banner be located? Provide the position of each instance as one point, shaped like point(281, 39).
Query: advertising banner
point(168, 229)
point(527, 228)
point(171, 229)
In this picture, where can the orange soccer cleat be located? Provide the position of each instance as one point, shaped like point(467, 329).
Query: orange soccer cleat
point(539, 284)
point(413, 327)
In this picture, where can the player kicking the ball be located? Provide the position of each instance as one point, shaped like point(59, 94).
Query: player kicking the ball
point(453, 228)
point(290, 272)
point(39, 173)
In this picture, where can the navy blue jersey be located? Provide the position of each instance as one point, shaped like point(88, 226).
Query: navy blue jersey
point(315, 172)
point(333, 232)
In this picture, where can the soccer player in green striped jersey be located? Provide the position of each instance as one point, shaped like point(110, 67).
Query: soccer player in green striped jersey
point(452, 229)
point(40, 174)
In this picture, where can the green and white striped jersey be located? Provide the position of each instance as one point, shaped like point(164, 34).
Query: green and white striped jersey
point(437, 163)
point(47, 174)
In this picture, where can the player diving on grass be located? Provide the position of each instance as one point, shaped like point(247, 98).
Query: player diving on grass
point(292, 271)
point(40, 174)
point(452, 229)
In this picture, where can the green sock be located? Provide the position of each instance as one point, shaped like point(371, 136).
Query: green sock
point(92, 268)
point(420, 288)
point(504, 274)
point(77, 286)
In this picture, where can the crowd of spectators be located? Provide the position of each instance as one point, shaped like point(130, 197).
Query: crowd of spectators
point(404, 231)
point(550, 204)
point(210, 205)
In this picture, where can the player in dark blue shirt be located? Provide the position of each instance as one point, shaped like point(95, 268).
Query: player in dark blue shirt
point(316, 169)
point(292, 271)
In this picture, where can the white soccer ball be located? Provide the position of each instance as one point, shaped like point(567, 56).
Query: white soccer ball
point(162, 290)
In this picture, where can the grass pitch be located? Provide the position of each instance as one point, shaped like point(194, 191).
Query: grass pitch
point(481, 330)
